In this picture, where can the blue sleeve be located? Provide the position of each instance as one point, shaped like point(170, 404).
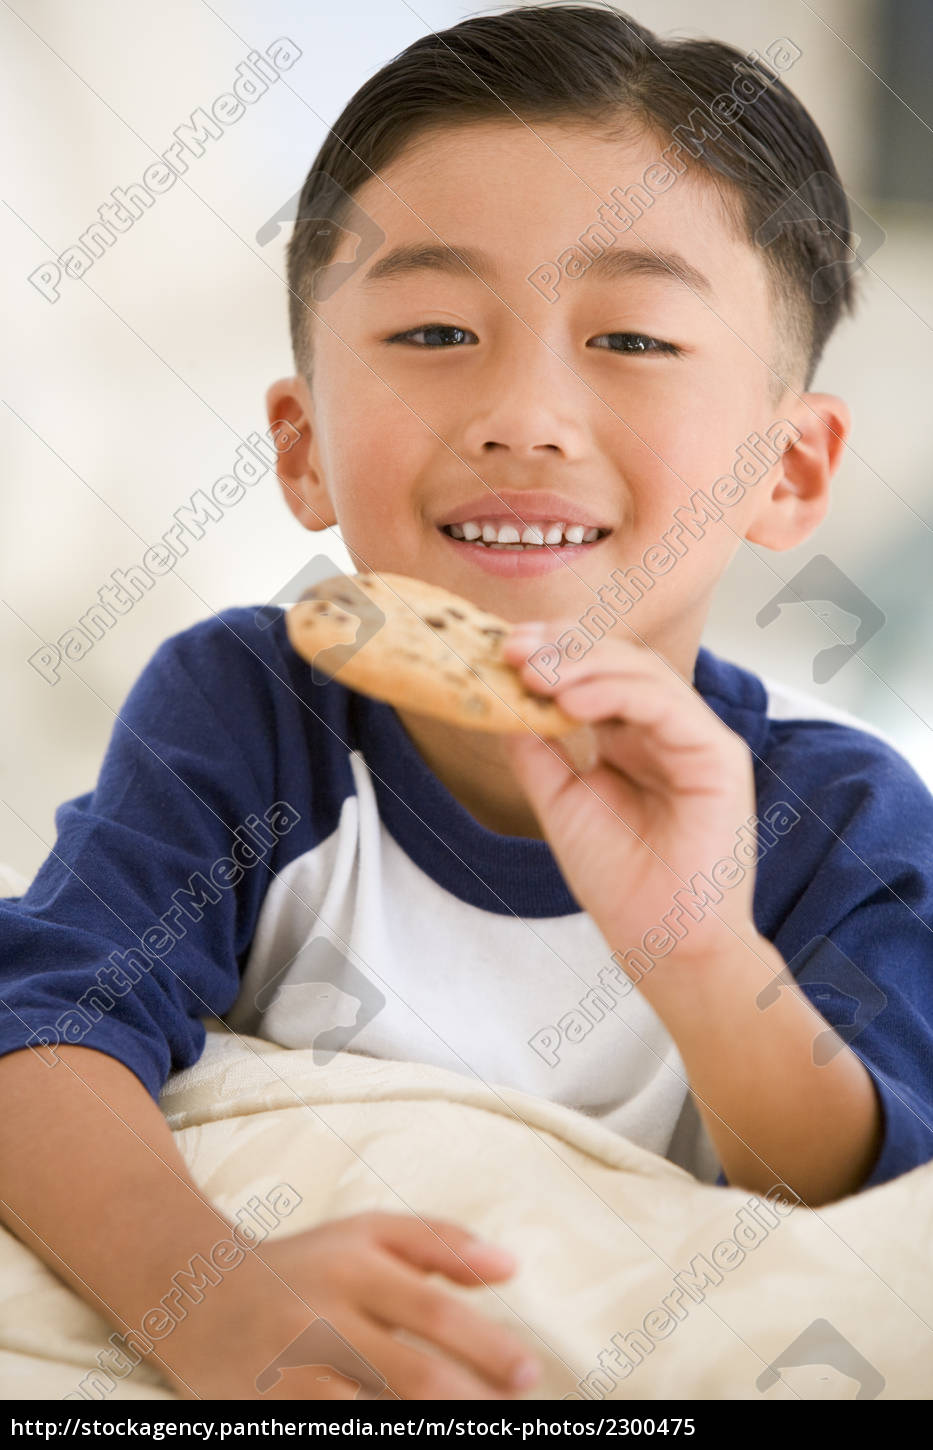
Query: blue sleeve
point(873, 981)
point(135, 926)
point(856, 925)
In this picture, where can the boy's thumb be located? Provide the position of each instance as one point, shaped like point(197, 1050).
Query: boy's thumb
point(541, 766)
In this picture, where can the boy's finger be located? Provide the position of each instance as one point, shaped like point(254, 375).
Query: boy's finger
point(415, 1373)
point(664, 724)
point(547, 676)
point(540, 766)
point(439, 1246)
point(426, 1309)
point(541, 641)
point(581, 749)
point(659, 715)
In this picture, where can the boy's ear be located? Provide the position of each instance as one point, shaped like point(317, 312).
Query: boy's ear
point(298, 467)
point(798, 493)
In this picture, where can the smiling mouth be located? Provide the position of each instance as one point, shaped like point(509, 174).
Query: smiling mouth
point(573, 537)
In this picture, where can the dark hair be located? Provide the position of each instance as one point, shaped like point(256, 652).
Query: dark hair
point(595, 65)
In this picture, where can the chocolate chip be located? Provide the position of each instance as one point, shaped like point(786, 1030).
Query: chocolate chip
point(456, 614)
point(436, 623)
point(494, 630)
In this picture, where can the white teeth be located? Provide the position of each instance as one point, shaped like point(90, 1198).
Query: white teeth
point(532, 536)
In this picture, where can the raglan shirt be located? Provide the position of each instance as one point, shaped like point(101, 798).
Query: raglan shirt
point(267, 846)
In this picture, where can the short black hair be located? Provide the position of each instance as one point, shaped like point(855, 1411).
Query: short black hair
point(596, 66)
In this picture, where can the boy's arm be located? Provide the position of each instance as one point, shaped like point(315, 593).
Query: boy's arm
point(122, 943)
point(650, 839)
point(774, 1115)
point(91, 1180)
point(131, 932)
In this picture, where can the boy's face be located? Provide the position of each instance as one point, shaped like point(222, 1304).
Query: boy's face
point(535, 395)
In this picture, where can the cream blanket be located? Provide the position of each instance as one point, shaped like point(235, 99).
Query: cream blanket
point(617, 1247)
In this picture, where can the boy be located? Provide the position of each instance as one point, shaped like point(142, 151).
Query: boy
point(479, 368)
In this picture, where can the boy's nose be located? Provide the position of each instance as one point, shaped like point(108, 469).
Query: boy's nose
point(530, 403)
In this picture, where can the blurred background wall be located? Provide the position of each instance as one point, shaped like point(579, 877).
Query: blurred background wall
point(135, 387)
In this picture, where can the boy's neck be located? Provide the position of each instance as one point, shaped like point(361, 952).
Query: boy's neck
point(471, 764)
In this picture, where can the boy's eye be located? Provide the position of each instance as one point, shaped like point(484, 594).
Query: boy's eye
point(442, 334)
point(437, 335)
point(639, 343)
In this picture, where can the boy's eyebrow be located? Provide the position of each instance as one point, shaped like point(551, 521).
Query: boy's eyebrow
point(616, 263)
point(428, 257)
point(610, 265)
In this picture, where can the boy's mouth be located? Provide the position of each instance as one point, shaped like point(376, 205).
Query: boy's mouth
point(496, 534)
point(531, 534)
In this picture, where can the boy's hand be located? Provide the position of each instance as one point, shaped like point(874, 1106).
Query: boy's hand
point(366, 1276)
point(670, 787)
